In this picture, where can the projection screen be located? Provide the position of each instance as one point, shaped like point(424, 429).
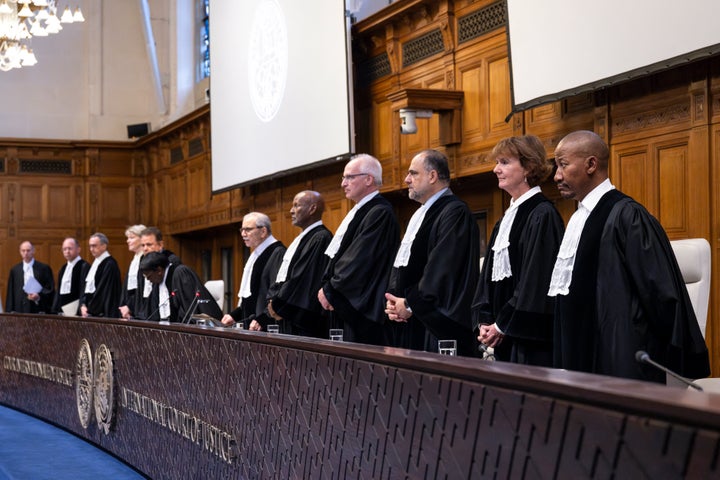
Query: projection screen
point(560, 48)
point(280, 96)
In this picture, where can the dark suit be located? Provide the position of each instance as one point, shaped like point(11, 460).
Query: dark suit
point(16, 299)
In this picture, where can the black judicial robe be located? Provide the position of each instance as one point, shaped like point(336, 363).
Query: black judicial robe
point(356, 279)
point(141, 307)
point(16, 299)
point(186, 285)
point(263, 276)
point(77, 285)
point(440, 278)
point(519, 304)
point(295, 299)
point(105, 301)
point(627, 294)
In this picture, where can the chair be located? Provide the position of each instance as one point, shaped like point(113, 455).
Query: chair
point(217, 290)
point(693, 256)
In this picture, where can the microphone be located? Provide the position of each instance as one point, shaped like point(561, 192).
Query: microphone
point(191, 308)
point(167, 300)
point(641, 356)
point(487, 353)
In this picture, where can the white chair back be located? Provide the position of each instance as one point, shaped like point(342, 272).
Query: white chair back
point(693, 256)
point(217, 290)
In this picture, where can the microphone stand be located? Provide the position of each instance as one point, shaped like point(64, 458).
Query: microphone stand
point(191, 308)
point(167, 300)
point(642, 356)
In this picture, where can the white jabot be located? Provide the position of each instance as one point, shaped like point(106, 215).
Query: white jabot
point(245, 291)
point(147, 288)
point(290, 252)
point(501, 256)
point(28, 271)
point(164, 296)
point(66, 282)
point(90, 279)
point(334, 246)
point(403, 254)
point(562, 272)
point(133, 271)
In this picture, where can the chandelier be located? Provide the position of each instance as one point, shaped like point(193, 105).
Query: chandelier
point(21, 20)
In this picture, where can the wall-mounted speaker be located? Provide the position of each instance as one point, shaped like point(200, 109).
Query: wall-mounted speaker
point(138, 130)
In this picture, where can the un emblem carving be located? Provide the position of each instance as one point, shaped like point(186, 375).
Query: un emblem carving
point(94, 386)
point(104, 395)
point(84, 383)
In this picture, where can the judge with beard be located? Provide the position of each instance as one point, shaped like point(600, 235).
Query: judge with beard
point(511, 305)
point(103, 286)
point(291, 300)
point(177, 292)
point(436, 267)
point(616, 281)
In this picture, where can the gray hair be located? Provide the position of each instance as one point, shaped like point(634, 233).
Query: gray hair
point(371, 166)
point(261, 220)
point(135, 230)
point(102, 237)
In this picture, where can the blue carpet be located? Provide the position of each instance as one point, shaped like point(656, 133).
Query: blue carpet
point(31, 449)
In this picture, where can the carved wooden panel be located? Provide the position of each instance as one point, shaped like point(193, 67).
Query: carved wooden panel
point(30, 207)
point(674, 206)
point(499, 102)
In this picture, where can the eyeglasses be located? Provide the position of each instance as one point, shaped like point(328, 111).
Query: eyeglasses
point(248, 229)
point(351, 176)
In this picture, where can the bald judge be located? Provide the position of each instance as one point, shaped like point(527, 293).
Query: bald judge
point(291, 299)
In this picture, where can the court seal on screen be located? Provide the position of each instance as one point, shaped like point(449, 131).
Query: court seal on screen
point(267, 59)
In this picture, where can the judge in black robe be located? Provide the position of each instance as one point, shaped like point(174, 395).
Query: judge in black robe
point(430, 296)
point(519, 304)
point(17, 299)
point(293, 301)
point(356, 277)
point(142, 307)
point(516, 303)
point(104, 301)
point(256, 232)
point(187, 296)
point(626, 291)
point(71, 252)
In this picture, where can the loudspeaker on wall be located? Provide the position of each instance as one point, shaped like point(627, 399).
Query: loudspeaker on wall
point(138, 130)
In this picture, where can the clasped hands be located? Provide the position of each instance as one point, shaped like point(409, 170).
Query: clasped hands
point(395, 308)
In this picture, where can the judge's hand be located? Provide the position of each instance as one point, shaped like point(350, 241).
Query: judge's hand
point(125, 312)
point(84, 311)
point(227, 320)
point(324, 301)
point(489, 335)
point(395, 308)
point(272, 312)
point(33, 297)
point(255, 326)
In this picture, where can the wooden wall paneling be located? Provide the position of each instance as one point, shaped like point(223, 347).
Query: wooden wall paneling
point(712, 334)
point(32, 203)
point(675, 206)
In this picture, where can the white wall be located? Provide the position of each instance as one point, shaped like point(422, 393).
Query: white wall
point(93, 79)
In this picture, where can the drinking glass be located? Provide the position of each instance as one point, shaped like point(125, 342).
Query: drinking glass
point(447, 347)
